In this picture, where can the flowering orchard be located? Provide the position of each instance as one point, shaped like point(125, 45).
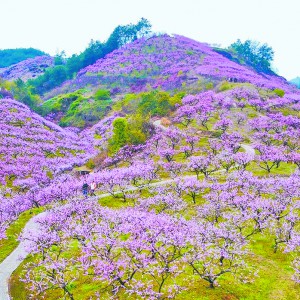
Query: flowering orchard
point(211, 200)
point(191, 202)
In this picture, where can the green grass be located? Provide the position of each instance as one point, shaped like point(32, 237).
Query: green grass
point(10, 243)
point(283, 169)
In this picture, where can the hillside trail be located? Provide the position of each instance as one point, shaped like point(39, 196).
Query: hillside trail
point(10, 264)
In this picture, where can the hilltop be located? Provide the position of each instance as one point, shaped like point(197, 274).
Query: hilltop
point(169, 63)
point(172, 64)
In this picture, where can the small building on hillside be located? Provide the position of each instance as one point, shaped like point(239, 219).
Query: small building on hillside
point(81, 171)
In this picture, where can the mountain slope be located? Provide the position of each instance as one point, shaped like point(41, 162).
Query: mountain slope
point(32, 149)
point(27, 69)
point(10, 57)
point(170, 63)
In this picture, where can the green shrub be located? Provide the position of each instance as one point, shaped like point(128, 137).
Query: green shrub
point(209, 86)
point(225, 85)
point(90, 164)
point(154, 103)
point(84, 112)
point(60, 103)
point(279, 92)
point(102, 95)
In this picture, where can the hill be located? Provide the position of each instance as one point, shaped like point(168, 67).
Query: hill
point(167, 62)
point(34, 149)
point(27, 69)
point(10, 57)
point(195, 160)
point(174, 64)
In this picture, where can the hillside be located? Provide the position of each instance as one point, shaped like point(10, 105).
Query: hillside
point(34, 149)
point(194, 183)
point(10, 57)
point(36, 154)
point(27, 69)
point(174, 64)
point(169, 63)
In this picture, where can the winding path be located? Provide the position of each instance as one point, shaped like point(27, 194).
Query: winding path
point(18, 255)
point(15, 259)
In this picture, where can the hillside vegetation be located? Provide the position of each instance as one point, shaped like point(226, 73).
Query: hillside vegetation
point(196, 163)
point(10, 57)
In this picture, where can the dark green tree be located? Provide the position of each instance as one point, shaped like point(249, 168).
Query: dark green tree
point(120, 135)
point(127, 34)
point(257, 55)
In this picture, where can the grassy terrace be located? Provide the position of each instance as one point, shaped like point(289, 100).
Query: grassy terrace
point(10, 243)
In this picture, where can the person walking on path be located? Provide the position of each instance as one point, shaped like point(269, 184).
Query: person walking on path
point(85, 187)
point(93, 188)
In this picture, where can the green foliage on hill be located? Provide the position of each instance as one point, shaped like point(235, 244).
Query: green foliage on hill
point(75, 109)
point(67, 68)
point(254, 54)
point(120, 135)
point(130, 130)
point(10, 57)
point(279, 92)
point(60, 103)
point(139, 108)
point(102, 95)
point(50, 79)
point(20, 91)
point(154, 103)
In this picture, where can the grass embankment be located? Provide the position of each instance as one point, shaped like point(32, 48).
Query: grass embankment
point(10, 243)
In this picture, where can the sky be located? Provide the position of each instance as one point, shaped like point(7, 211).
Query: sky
point(69, 25)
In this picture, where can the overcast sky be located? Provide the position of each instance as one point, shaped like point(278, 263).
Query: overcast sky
point(56, 25)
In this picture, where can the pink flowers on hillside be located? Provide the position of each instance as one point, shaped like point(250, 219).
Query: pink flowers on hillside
point(169, 61)
point(27, 69)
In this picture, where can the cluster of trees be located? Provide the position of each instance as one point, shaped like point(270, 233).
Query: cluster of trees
point(200, 225)
point(153, 103)
point(136, 128)
point(144, 258)
point(257, 55)
point(66, 67)
point(10, 57)
point(20, 91)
